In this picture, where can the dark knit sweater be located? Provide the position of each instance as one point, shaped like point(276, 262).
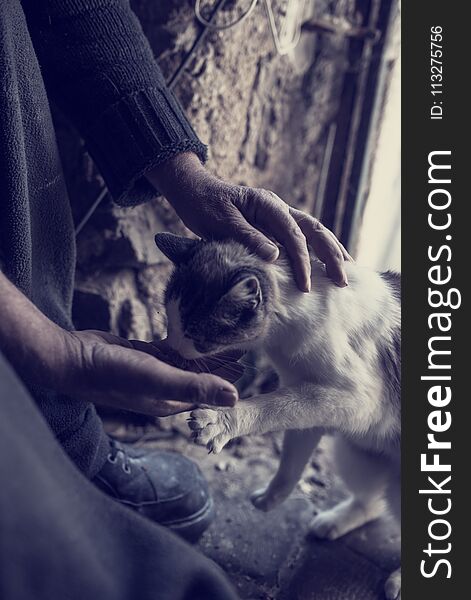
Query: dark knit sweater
point(91, 57)
point(98, 66)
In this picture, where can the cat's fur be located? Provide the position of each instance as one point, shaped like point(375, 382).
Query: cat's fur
point(336, 351)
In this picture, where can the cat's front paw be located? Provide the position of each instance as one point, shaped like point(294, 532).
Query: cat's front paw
point(261, 499)
point(343, 518)
point(213, 428)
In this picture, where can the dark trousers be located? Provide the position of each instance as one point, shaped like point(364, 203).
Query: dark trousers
point(61, 539)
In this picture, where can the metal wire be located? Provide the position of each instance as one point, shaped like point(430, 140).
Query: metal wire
point(99, 199)
point(282, 47)
point(207, 23)
point(199, 39)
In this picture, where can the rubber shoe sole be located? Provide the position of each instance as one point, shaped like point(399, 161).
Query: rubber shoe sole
point(191, 528)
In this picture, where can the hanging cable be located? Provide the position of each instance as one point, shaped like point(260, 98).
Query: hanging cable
point(282, 47)
point(196, 44)
point(221, 27)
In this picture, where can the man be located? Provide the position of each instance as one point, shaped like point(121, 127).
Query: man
point(91, 57)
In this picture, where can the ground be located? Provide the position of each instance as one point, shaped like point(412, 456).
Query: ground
point(268, 555)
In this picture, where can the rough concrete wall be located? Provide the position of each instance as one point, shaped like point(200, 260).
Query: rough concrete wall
point(265, 118)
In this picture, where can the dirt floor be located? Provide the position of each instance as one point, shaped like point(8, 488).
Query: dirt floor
point(268, 555)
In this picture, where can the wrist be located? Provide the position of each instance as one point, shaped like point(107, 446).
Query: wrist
point(52, 359)
point(37, 348)
point(179, 177)
point(64, 364)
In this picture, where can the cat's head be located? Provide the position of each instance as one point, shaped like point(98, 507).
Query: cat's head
point(217, 298)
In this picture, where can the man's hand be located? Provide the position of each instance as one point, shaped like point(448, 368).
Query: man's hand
point(214, 209)
point(104, 368)
point(127, 374)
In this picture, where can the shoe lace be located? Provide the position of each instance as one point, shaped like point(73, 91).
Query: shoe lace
point(118, 453)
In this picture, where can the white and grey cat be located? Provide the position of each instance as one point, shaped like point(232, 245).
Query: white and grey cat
point(336, 351)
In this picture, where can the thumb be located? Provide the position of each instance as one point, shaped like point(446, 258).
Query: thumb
point(196, 388)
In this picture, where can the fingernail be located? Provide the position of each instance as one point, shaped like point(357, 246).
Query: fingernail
point(268, 251)
point(225, 397)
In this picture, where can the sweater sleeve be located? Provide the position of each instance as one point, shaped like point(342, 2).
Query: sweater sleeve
point(98, 67)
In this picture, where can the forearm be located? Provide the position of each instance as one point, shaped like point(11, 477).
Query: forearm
point(30, 341)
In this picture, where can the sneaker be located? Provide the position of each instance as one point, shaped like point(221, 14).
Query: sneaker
point(163, 486)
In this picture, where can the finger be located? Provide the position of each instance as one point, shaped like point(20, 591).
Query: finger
point(326, 246)
point(195, 388)
point(346, 255)
point(140, 382)
point(242, 231)
point(223, 365)
point(329, 252)
point(279, 223)
point(167, 408)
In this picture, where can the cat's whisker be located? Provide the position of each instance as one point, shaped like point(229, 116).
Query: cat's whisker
point(249, 366)
point(230, 367)
point(221, 360)
point(201, 365)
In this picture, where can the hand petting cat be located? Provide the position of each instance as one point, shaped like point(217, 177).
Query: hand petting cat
point(214, 209)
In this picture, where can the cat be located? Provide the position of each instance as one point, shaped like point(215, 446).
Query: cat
point(337, 354)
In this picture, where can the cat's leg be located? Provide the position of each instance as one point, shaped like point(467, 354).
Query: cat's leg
point(305, 406)
point(298, 446)
point(365, 475)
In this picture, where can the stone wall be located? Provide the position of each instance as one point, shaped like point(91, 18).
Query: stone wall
point(265, 118)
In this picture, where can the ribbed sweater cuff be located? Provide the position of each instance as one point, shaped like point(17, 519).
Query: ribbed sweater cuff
point(136, 134)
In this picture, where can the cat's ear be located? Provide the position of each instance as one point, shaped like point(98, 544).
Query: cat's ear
point(175, 247)
point(246, 291)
